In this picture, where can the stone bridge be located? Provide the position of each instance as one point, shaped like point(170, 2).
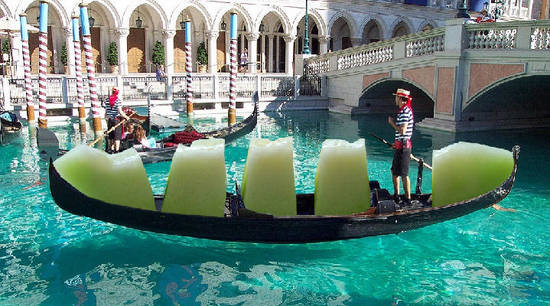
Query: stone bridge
point(462, 76)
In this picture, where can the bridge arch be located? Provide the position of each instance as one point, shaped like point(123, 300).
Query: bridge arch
point(516, 97)
point(378, 97)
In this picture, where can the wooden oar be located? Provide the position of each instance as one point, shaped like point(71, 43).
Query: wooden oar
point(110, 130)
point(391, 146)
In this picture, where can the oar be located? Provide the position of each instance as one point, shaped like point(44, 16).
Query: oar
point(110, 130)
point(391, 146)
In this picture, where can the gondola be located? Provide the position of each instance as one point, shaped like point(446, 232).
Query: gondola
point(230, 133)
point(9, 124)
point(47, 140)
point(241, 224)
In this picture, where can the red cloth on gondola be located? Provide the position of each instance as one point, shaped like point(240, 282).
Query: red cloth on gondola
point(187, 137)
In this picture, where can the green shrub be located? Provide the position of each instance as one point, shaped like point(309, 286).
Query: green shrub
point(112, 56)
point(158, 53)
point(202, 56)
point(63, 55)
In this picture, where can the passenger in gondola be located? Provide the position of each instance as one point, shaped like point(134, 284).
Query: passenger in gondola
point(141, 141)
point(127, 136)
point(113, 114)
point(403, 127)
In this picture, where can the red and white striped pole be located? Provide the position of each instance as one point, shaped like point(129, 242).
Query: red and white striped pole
point(43, 64)
point(78, 69)
point(231, 110)
point(27, 65)
point(188, 68)
point(90, 68)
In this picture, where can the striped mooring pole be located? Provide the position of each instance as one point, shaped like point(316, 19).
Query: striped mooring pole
point(43, 64)
point(188, 67)
point(90, 68)
point(27, 66)
point(78, 68)
point(231, 110)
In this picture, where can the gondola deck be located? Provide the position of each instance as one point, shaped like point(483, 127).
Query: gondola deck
point(251, 227)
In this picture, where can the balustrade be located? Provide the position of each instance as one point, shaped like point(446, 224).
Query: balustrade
point(540, 38)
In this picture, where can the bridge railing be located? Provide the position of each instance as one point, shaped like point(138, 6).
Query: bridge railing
point(534, 35)
point(523, 35)
point(417, 44)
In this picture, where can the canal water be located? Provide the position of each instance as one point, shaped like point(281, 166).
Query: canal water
point(52, 257)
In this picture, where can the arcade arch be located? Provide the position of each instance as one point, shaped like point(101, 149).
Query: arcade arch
point(372, 32)
point(340, 35)
point(56, 37)
point(145, 27)
point(198, 29)
point(401, 29)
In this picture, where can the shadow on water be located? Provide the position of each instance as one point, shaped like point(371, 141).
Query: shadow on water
point(166, 262)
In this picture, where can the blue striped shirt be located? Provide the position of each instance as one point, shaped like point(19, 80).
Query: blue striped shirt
point(112, 112)
point(405, 116)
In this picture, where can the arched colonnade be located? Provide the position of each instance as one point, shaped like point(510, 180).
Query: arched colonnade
point(271, 34)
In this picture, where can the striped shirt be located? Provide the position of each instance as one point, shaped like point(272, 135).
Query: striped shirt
point(405, 116)
point(112, 112)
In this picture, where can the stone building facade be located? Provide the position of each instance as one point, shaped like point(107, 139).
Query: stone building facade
point(272, 31)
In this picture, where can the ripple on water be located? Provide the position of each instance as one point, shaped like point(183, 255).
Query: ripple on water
point(48, 256)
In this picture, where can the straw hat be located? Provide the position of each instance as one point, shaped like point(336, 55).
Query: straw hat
point(402, 93)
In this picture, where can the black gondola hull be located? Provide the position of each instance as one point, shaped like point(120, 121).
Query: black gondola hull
point(268, 229)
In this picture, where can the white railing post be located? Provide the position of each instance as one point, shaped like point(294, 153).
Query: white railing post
point(400, 49)
point(169, 88)
point(120, 85)
point(333, 63)
point(65, 90)
point(455, 41)
point(523, 40)
point(7, 93)
point(296, 86)
point(259, 86)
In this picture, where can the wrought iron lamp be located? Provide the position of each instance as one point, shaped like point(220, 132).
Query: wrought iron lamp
point(223, 26)
point(91, 20)
point(262, 28)
point(139, 21)
point(462, 9)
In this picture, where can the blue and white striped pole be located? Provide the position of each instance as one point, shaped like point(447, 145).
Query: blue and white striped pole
point(43, 64)
point(27, 68)
point(188, 68)
point(90, 68)
point(78, 68)
point(231, 110)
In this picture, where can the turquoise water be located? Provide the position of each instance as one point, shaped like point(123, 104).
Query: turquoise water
point(48, 256)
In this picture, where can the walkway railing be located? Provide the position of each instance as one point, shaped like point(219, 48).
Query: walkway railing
point(207, 88)
point(518, 35)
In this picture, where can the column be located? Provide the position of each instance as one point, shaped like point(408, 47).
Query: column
point(212, 37)
point(323, 44)
point(263, 57)
point(277, 51)
point(122, 34)
point(168, 37)
point(70, 49)
point(252, 51)
point(16, 52)
point(270, 53)
point(289, 55)
point(104, 48)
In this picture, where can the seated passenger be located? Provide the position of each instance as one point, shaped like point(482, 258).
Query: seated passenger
point(141, 141)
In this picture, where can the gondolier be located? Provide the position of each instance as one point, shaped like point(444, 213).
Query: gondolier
point(403, 127)
point(113, 112)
